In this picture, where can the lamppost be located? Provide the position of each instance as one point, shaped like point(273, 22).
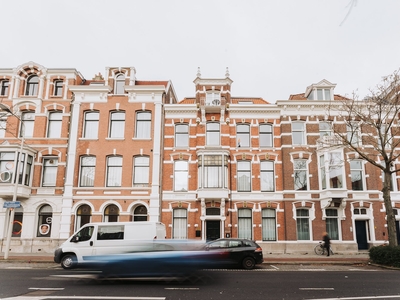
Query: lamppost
point(16, 182)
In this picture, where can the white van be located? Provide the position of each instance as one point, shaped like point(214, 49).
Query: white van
point(108, 238)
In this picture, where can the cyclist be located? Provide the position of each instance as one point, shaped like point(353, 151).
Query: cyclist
point(327, 243)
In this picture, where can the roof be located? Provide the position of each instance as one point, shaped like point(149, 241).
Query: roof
point(302, 97)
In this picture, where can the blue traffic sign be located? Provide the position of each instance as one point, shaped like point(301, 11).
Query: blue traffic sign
point(12, 204)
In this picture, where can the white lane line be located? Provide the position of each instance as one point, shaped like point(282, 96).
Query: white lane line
point(362, 270)
point(184, 289)
point(19, 268)
point(274, 267)
point(83, 297)
point(312, 269)
point(360, 298)
point(46, 289)
point(316, 289)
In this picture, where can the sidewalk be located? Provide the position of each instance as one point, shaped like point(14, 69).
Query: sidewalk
point(276, 258)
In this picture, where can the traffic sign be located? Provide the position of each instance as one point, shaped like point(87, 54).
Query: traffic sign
point(12, 204)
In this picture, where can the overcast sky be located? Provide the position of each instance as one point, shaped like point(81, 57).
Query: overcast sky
point(273, 48)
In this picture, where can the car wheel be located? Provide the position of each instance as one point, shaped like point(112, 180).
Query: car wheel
point(248, 263)
point(68, 261)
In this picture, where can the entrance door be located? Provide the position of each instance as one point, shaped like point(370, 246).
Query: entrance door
point(398, 232)
point(361, 234)
point(213, 230)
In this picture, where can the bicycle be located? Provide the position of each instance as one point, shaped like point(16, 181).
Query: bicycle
point(321, 250)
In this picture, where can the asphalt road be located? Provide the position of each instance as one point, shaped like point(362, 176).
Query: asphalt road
point(48, 281)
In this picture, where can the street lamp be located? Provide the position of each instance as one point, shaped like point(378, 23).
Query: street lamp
point(16, 182)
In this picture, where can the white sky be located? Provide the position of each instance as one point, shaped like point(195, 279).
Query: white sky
point(273, 48)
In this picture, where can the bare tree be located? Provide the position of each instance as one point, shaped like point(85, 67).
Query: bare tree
point(373, 133)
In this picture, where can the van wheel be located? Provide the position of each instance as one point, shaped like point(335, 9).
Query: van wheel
point(248, 263)
point(68, 261)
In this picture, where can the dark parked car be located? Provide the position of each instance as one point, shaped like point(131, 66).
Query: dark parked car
point(242, 252)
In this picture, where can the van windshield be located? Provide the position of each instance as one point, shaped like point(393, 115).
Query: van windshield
point(84, 234)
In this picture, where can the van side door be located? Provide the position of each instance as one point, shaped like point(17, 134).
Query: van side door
point(82, 241)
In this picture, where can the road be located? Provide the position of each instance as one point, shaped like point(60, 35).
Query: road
point(47, 281)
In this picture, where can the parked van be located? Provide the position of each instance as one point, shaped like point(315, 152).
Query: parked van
point(108, 238)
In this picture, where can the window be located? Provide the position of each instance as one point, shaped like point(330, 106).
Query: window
point(143, 125)
point(298, 133)
point(360, 211)
point(91, 126)
point(3, 125)
point(111, 213)
point(50, 166)
point(181, 135)
point(325, 129)
point(243, 135)
point(385, 137)
point(267, 176)
point(119, 84)
point(244, 176)
point(322, 172)
point(213, 98)
point(114, 171)
point(55, 124)
point(332, 223)
point(140, 214)
point(335, 170)
point(213, 171)
point(87, 172)
point(83, 215)
point(27, 124)
point(4, 87)
point(353, 134)
point(300, 175)
point(244, 223)
point(212, 137)
point(320, 94)
point(117, 125)
point(17, 224)
point(179, 224)
point(113, 232)
point(7, 163)
point(32, 84)
point(58, 87)
point(181, 176)
point(303, 224)
point(141, 171)
point(268, 225)
point(356, 169)
point(28, 171)
point(45, 218)
point(266, 137)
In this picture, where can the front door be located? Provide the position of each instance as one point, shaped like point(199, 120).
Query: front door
point(398, 232)
point(361, 234)
point(213, 230)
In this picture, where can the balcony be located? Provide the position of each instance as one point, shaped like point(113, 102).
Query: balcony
point(7, 191)
point(329, 141)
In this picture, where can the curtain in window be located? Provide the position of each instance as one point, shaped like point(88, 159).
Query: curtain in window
point(267, 176)
point(114, 171)
point(268, 225)
point(243, 176)
point(117, 128)
point(332, 227)
point(181, 176)
point(244, 224)
point(88, 166)
point(91, 125)
point(55, 124)
point(50, 166)
point(180, 224)
point(141, 175)
point(143, 125)
point(303, 227)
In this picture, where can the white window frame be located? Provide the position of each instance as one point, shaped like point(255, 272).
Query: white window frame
point(298, 133)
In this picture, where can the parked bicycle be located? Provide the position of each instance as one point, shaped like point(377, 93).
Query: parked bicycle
point(321, 250)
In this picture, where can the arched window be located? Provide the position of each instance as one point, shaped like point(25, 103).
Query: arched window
point(140, 213)
point(45, 220)
point(83, 215)
point(119, 84)
point(32, 84)
point(111, 213)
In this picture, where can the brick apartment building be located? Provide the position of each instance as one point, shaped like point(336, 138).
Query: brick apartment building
point(115, 148)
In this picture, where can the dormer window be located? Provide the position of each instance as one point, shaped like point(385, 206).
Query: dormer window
point(213, 98)
point(322, 90)
point(119, 84)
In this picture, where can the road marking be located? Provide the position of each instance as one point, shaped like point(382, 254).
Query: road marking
point(316, 289)
point(83, 297)
point(360, 298)
point(274, 267)
point(46, 289)
point(362, 270)
point(19, 268)
point(312, 269)
point(184, 289)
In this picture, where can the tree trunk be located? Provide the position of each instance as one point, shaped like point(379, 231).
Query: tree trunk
point(391, 219)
